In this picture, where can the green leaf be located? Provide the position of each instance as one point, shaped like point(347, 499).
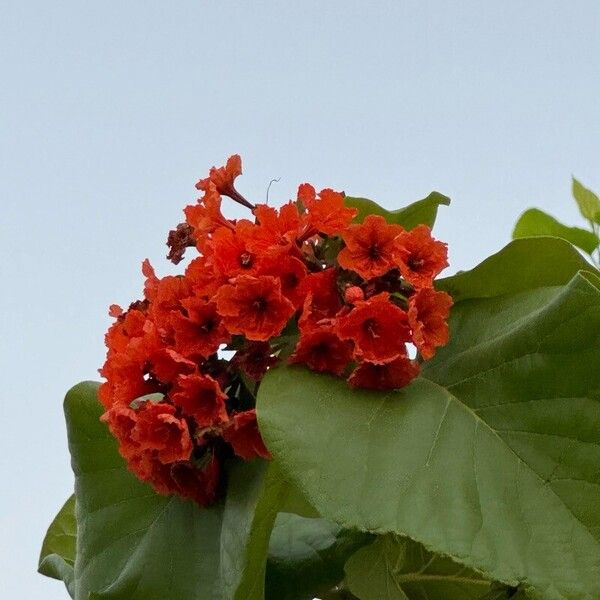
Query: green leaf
point(588, 202)
point(522, 265)
point(134, 544)
point(535, 222)
point(394, 568)
point(57, 556)
point(307, 556)
point(499, 469)
point(420, 212)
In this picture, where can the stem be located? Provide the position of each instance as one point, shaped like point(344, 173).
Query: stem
point(237, 197)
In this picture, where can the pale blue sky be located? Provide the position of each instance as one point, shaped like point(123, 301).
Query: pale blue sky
point(110, 111)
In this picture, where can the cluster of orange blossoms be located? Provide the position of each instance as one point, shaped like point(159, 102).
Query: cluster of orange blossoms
point(345, 298)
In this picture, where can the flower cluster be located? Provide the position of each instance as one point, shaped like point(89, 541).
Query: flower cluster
point(302, 282)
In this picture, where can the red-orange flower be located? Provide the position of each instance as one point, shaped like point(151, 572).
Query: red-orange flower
point(203, 278)
point(327, 213)
point(254, 359)
point(166, 365)
point(199, 484)
point(427, 314)
point(320, 294)
point(291, 272)
point(419, 256)
point(160, 431)
point(243, 434)
point(275, 228)
point(200, 397)
point(369, 247)
point(254, 307)
point(231, 253)
point(322, 350)
point(201, 332)
point(389, 376)
point(205, 216)
point(223, 177)
point(378, 328)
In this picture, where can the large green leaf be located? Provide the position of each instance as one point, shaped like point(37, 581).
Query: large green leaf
point(57, 557)
point(394, 568)
point(524, 264)
point(307, 556)
point(500, 469)
point(588, 202)
point(420, 212)
point(535, 222)
point(133, 544)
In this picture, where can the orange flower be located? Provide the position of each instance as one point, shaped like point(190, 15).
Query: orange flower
point(322, 350)
point(378, 328)
point(201, 332)
point(205, 216)
point(198, 484)
point(203, 279)
point(121, 421)
point(291, 273)
point(389, 376)
point(243, 435)
point(327, 214)
point(166, 300)
point(254, 359)
point(321, 298)
point(222, 177)
point(160, 431)
point(254, 307)
point(275, 228)
point(369, 247)
point(231, 253)
point(200, 397)
point(427, 314)
point(419, 256)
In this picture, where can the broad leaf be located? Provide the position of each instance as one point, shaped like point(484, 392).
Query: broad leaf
point(133, 544)
point(500, 469)
point(393, 568)
point(535, 222)
point(420, 212)
point(57, 558)
point(307, 556)
point(522, 265)
point(588, 202)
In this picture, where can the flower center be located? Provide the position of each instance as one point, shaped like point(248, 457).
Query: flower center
point(415, 263)
point(371, 328)
point(374, 252)
point(207, 326)
point(260, 304)
point(246, 260)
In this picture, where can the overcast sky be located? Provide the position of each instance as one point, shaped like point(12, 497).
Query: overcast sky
point(110, 111)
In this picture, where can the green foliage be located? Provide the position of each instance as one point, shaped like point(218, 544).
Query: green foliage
point(307, 556)
point(535, 222)
point(125, 527)
point(394, 568)
point(588, 202)
point(498, 468)
point(423, 211)
point(57, 557)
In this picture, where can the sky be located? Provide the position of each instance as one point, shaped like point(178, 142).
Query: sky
point(110, 112)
